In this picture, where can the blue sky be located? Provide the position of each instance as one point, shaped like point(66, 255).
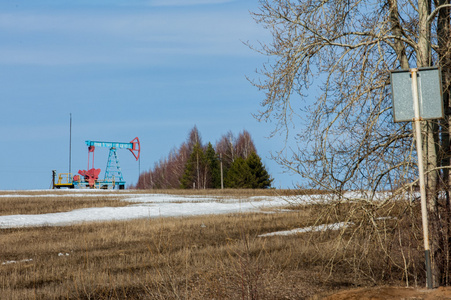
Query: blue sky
point(151, 69)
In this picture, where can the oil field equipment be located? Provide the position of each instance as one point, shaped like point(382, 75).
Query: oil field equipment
point(89, 178)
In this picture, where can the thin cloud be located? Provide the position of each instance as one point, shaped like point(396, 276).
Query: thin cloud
point(187, 2)
point(130, 38)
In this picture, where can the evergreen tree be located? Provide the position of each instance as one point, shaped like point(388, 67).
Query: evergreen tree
point(214, 175)
point(260, 177)
point(239, 175)
point(248, 173)
point(194, 175)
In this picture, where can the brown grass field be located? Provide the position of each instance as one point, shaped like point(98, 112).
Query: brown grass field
point(206, 257)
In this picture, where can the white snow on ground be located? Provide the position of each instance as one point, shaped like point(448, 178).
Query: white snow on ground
point(150, 206)
point(61, 195)
point(160, 205)
point(323, 227)
point(8, 262)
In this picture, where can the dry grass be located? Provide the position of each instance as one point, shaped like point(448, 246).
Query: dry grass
point(169, 258)
point(207, 257)
point(34, 204)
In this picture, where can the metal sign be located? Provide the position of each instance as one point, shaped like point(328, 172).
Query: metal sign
point(429, 94)
point(417, 95)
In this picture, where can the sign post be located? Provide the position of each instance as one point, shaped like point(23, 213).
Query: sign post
point(424, 214)
point(425, 90)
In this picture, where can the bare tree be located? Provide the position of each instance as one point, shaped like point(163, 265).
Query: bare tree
point(344, 50)
point(226, 147)
point(167, 172)
point(244, 145)
point(194, 138)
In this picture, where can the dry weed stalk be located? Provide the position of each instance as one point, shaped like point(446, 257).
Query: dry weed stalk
point(374, 240)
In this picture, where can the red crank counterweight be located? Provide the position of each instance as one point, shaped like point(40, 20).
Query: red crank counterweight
point(91, 176)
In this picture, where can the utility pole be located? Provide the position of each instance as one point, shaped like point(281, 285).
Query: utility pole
point(222, 176)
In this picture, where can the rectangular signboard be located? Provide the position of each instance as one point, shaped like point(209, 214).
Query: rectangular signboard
point(429, 94)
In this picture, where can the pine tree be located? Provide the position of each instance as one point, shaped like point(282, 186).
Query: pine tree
point(214, 175)
point(195, 174)
point(239, 175)
point(248, 173)
point(260, 177)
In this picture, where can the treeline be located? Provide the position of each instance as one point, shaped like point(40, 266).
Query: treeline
point(198, 165)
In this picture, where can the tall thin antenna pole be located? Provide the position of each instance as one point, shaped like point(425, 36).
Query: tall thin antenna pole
point(70, 143)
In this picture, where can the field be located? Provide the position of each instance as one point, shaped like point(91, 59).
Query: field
point(209, 256)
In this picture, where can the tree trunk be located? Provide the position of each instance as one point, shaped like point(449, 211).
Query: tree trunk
point(430, 146)
point(397, 32)
point(444, 43)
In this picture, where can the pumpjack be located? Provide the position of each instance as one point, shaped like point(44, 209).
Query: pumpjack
point(89, 178)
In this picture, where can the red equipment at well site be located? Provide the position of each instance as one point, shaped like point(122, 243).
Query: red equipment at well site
point(90, 175)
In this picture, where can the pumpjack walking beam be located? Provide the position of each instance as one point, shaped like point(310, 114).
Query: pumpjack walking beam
point(133, 146)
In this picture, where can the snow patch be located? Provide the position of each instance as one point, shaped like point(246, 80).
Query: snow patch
point(323, 227)
point(8, 262)
point(148, 206)
point(162, 205)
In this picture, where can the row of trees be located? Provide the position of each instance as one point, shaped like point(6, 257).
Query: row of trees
point(197, 165)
